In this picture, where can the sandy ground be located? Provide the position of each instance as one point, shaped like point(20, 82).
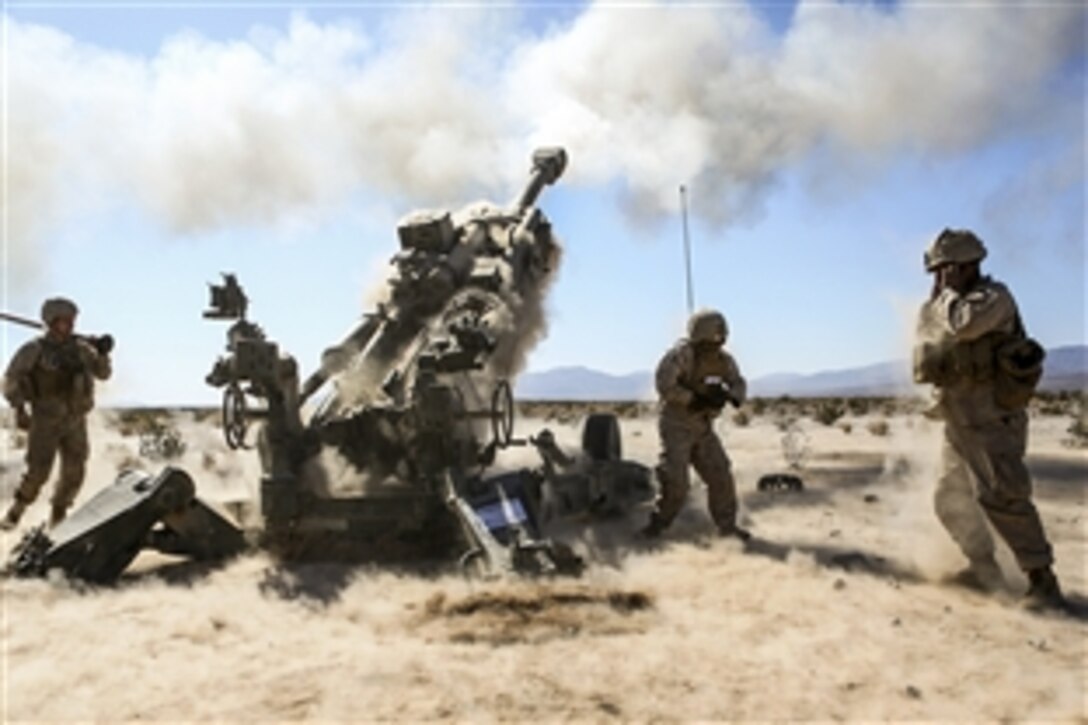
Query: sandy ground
point(836, 613)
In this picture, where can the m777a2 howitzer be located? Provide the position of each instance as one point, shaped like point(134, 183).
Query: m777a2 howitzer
point(415, 404)
point(393, 449)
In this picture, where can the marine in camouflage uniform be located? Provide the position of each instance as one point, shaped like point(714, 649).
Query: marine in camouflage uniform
point(961, 329)
point(695, 379)
point(54, 375)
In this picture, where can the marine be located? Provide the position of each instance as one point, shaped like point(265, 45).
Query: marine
point(972, 347)
point(695, 379)
point(50, 386)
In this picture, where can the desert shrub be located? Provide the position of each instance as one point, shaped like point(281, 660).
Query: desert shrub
point(1078, 431)
point(828, 411)
point(858, 406)
point(758, 406)
point(785, 422)
point(741, 419)
point(878, 427)
point(846, 428)
point(1052, 405)
point(161, 442)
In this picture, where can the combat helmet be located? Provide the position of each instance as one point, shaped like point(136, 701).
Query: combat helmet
point(708, 326)
point(55, 307)
point(954, 246)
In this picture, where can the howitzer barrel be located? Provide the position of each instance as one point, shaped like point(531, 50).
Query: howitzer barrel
point(548, 165)
point(336, 358)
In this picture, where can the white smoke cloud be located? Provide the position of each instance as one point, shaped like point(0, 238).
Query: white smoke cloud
point(428, 108)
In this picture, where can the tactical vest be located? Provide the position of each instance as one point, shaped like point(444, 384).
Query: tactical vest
point(710, 367)
point(1011, 361)
point(59, 375)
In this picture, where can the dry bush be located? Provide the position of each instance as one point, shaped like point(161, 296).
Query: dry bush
point(828, 411)
point(758, 406)
point(1078, 431)
point(858, 406)
point(846, 428)
point(785, 422)
point(878, 427)
point(741, 419)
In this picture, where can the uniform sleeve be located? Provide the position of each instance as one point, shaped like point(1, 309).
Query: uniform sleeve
point(970, 316)
point(98, 364)
point(670, 372)
point(738, 386)
point(17, 384)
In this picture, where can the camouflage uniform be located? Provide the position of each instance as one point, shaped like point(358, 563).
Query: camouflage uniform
point(983, 472)
point(56, 379)
point(688, 372)
point(984, 446)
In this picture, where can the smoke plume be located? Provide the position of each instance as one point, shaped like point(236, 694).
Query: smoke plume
point(435, 105)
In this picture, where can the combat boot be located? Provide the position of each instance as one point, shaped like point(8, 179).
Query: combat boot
point(982, 575)
point(734, 532)
point(58, 514)
point(11, 518)
point(652, 530)
point(1044, 592)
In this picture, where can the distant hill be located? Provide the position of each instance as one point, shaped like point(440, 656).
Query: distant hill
point(1066, 369)
point(580, 383)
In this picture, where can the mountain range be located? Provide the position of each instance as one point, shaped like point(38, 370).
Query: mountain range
point(1066, 368)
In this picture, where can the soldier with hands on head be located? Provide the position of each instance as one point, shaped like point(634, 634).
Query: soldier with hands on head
point(972, 347)
point(50, 386)
point(695, 379)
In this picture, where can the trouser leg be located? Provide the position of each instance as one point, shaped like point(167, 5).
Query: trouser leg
point(672, 471)
point(74, 452)
point(957, 506)
point(713, 466)
point(996, 458)
point(42, 442)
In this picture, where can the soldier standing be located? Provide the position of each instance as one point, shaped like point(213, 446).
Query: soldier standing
point(695, 379)
point(964, 332)
point(54, 375)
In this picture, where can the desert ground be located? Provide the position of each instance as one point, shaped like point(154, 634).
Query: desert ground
point(838, 610)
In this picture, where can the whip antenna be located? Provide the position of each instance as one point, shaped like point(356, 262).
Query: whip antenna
point(687, 247)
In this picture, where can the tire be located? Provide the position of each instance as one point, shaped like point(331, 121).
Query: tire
point(601, 439)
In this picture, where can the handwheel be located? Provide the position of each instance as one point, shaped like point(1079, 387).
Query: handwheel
point(235, 421)
point(502, 414)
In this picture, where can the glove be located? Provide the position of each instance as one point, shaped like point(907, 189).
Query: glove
point(713, 399)
point(103, 344)
point(22, 418)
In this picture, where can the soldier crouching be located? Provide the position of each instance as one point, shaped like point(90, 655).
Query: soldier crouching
point(54, 375)
point(695, 379)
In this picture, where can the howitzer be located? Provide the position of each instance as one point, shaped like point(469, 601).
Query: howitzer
point(416, 400)
point(102, 343)
point(401, 457)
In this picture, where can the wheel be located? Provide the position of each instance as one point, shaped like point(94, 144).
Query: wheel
point(234, 417)
point(601, 439)
point(502, 414)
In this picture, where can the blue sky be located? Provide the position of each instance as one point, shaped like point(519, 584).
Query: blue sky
point(822, 270)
